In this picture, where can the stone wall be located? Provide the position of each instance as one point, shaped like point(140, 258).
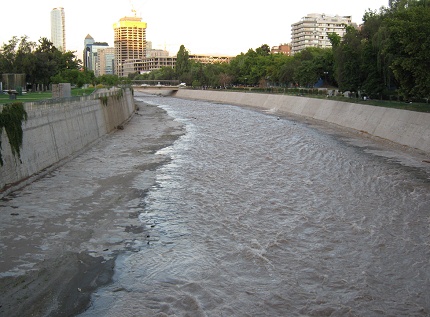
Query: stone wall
point(57, 131)
point(62, 90)
point(400, 126)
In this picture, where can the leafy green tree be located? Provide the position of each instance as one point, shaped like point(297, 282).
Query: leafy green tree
point(8, 55)
point(282, 69)
point(74, 77)
point(251, 67)
point(39, 61)
point(375, 66)
point(240, 67)
point(225, 79)
point(307, 74)
point(263, 50)
point(408, 46)
point(309, 66)
point(334, 39)
point(46, 66)
point(108, 80)
point(168, 73)
point(347, 57)
point(182, 62)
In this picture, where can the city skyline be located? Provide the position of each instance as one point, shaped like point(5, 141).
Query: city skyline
point(221, 28)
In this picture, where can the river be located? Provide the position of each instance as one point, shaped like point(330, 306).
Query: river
point(263, 215)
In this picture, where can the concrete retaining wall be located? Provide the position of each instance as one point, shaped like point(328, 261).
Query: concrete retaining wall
point(56, 131)
point(400, 126)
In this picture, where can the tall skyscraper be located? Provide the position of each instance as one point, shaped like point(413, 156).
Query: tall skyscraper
point(129, 41)
point(58, 28)
point(106, 60)
point(91, 55)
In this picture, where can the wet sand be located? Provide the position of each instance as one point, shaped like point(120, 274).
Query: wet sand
point(60, 235)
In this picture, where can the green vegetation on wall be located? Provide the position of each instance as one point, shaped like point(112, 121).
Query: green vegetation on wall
point(119, 94)
point(11, 118)
point(104, 100)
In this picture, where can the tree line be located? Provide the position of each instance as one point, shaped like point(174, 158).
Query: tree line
point(40, 62)
point(388, 55)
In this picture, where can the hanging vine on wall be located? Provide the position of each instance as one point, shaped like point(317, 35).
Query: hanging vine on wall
point(11, 118)
point(104, 100)
point(118, 95)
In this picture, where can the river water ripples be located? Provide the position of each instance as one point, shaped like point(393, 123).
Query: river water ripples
point(259, 215)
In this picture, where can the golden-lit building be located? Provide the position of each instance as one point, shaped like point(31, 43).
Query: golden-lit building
point(129, 41)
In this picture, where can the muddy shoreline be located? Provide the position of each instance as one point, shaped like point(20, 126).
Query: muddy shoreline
point(60, 235)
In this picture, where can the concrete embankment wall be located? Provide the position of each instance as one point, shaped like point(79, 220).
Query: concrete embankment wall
point(400, 126)
point(55, 131)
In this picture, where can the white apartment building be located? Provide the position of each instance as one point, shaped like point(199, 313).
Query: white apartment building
point(58, 28)
point(313, 29)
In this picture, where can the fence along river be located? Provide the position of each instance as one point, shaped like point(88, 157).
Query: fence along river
point(259, 215)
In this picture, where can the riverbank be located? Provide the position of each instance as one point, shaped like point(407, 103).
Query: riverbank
point(60, 235)
point(403, 127)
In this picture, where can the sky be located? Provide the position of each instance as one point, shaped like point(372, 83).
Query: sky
point(220, 27)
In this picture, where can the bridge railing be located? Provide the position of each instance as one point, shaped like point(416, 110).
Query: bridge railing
point(156, 82)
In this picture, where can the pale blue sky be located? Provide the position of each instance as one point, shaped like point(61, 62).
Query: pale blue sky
point(204, 27)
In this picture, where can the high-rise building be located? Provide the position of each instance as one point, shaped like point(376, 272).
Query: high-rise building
point(87, 48)
point(91, 55)
point(313, 30)
point(58, 28)
point(129, 41)
point(106, 60)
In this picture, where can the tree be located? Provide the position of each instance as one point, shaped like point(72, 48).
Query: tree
point(182, 62)
point(347, 61)
point(41, 62)
point(225, 79)
point(273, 71)
point(25, 60)
point(310, 65)
point(410, 59)
point(377, 76)
point(46, 62)
point(286, 72)
point(263, 50)
point(8, 55)
point(74, 77)
point(108, 80)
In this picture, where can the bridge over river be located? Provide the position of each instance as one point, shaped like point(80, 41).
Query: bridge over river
point(171, 85)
